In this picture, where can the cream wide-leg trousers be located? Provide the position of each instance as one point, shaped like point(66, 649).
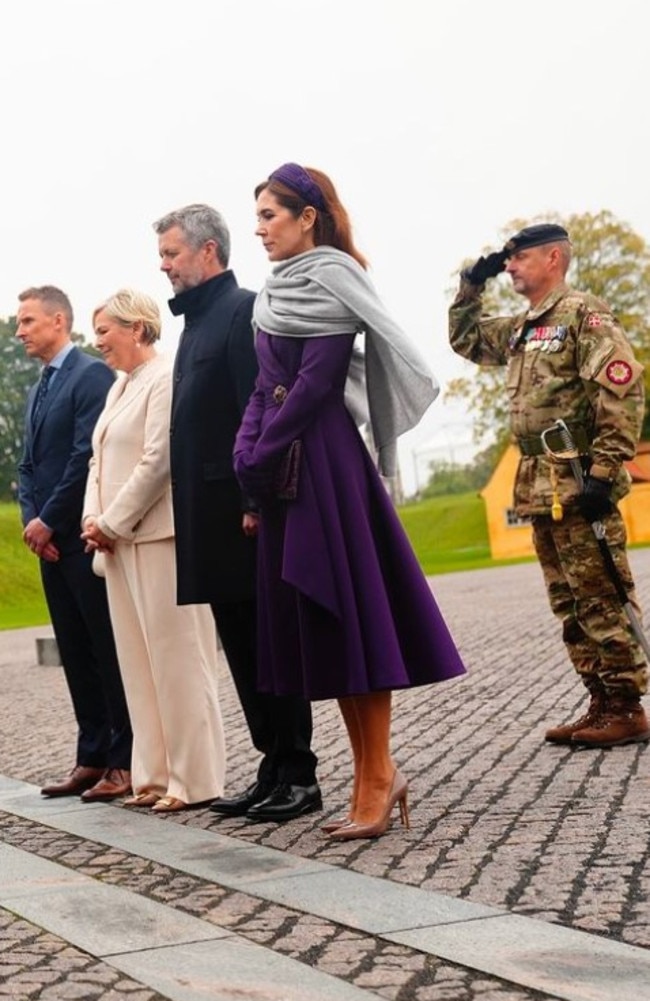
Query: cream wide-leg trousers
point(168, 659)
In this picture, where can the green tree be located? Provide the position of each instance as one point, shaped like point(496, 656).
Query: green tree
point(457, 478)
point(609, 260)
point(17, 373)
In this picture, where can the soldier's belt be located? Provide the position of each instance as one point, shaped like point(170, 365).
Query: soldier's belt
point(532, 444)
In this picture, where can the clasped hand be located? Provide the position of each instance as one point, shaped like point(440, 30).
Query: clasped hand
point(39, 539)
point(95, 539)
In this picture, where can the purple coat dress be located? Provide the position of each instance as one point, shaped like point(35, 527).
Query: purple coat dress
point(344, 608)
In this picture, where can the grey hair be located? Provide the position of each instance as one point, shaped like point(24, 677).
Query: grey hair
point(52, 299)
point(565, 254)
point(199, 223)
point(128, 306)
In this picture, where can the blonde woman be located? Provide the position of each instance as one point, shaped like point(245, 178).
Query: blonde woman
point(167, 652)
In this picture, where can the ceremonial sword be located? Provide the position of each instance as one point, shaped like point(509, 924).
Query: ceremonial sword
point(570, 453)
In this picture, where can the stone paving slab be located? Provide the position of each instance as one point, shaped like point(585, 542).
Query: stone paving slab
point(34, 964)
point(525, 951)
point(231, 971)
point(378, 967)
point(158, 945)
point(97, 918)
point(355, 900)
point(572, 965)
point(499, 819)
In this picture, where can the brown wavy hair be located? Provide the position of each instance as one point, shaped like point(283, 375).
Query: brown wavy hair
point(332, 227)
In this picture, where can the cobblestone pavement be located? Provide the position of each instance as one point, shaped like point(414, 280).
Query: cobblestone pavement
point(497, 816)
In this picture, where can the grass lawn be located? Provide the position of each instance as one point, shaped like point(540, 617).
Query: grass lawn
point(21, 595)
point(450, 533)
point(447, 533)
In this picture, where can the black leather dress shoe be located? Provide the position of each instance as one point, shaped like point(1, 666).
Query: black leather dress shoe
point(287, 802)
point(239, 805)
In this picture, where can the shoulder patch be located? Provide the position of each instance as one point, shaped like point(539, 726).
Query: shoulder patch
point(619, 372)
point(619, 375)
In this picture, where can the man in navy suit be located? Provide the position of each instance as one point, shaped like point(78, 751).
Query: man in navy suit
point(62, 409)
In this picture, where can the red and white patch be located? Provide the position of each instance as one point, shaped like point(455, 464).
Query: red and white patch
point(594, 320)
point(619, 372)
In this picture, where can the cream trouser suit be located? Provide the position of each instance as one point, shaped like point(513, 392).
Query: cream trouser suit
point(167, 652)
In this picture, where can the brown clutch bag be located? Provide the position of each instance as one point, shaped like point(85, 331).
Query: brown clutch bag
point(286, 478)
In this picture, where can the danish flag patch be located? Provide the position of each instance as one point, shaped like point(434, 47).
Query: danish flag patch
point(619, 372)
point(594, 320)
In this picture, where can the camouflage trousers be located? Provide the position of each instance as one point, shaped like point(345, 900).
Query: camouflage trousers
point(595, 628)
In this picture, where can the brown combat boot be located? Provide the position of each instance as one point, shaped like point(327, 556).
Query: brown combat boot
point(563, 734)
point(623, 722)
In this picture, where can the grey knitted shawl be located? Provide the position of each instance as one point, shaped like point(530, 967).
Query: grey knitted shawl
point(325, 291)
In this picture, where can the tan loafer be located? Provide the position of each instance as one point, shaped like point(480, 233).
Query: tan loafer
point(142, 799)
point(169, 804)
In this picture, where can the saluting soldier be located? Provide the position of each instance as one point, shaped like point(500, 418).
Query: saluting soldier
point(568, 358)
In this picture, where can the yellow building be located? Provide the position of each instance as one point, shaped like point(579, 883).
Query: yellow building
point(510, 537)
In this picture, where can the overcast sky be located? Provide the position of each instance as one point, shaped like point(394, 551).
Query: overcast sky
point(439, 122)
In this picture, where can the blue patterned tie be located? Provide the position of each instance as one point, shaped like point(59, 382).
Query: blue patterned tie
point(41, 392)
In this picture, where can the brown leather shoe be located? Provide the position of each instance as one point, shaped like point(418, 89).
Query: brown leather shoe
point(81, 777)
point(623, 722)
point(114, 782)
point(563, 734)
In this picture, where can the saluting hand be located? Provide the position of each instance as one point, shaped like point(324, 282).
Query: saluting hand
point(486, 267)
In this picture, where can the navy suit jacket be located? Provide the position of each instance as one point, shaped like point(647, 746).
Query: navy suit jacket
point(54, 466)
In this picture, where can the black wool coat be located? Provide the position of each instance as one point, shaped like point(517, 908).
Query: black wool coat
point(214, 374)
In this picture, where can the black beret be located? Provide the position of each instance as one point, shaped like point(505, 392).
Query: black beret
point(535, 236)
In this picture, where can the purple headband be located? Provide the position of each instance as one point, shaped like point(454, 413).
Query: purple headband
point(296, 177)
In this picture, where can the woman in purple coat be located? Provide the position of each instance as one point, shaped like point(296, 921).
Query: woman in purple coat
point(345, 611)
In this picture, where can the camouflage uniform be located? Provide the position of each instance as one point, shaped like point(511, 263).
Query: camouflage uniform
point(569, 358)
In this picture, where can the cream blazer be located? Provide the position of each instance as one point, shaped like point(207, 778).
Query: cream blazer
point(129, 486)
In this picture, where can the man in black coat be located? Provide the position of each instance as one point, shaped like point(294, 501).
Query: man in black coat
point(62, 409)
point(214, 375)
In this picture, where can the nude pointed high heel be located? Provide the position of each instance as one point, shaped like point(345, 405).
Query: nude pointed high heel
point(398, 794)
point(333, 825)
